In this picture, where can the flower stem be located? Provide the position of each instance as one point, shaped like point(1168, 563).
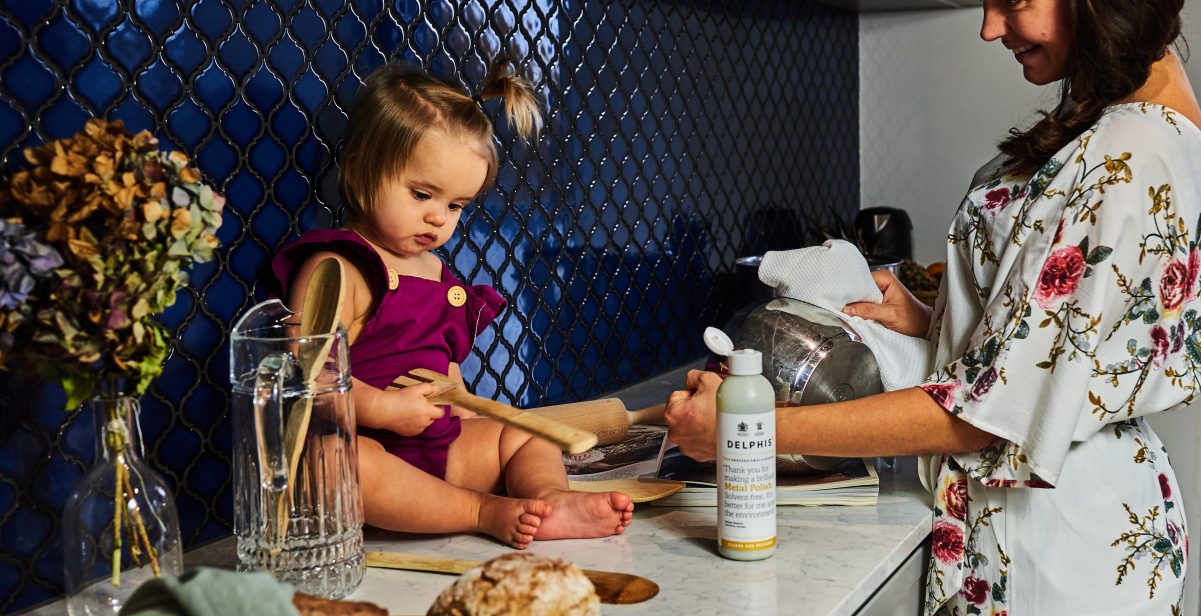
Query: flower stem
point(118, 493)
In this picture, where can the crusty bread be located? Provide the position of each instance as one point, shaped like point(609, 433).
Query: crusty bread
point(309, 605)
point(519, 584)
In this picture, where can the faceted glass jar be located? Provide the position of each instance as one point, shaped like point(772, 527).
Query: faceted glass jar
point(297, 509)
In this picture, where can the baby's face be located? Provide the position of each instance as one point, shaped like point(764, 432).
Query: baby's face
point(419, 207)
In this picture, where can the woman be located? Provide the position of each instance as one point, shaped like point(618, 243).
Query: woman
point(1070, 310)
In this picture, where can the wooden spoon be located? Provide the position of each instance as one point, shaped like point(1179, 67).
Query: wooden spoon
point(569, 439)
point(318, 317)
point(611, 587)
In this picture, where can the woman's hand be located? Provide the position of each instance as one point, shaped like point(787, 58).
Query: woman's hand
point(409, 409)
point(900, 311)
point(691, 415)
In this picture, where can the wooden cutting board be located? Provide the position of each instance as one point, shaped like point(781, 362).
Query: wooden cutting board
point(611, 587)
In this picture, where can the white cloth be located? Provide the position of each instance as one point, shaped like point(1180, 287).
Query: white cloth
point(836, 274)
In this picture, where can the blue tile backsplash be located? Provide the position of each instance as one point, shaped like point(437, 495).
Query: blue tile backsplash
point(681, 134)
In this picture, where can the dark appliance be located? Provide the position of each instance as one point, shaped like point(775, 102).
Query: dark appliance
point(885, 231)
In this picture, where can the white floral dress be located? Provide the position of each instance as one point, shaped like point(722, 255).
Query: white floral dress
point(1069, 310)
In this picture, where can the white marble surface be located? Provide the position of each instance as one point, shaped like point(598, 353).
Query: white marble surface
point(830, 560)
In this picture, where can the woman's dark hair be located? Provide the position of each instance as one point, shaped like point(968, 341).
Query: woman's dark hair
point(1114, 43)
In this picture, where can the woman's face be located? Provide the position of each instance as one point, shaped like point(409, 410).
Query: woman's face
point(1038, 32)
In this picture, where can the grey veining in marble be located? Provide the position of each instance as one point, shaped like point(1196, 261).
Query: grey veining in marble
point(830, 560)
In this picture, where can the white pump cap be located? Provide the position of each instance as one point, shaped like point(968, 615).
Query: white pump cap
point(741, 362)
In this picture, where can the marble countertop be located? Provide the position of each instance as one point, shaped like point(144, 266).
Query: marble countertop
point(830, 560)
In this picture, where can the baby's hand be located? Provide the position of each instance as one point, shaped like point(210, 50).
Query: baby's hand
point(411, 410)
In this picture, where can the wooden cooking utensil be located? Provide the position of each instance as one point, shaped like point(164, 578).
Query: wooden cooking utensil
point(569, 439)
point(318, 317)
point(607, 417)
point(640, 490)
point(611, 587)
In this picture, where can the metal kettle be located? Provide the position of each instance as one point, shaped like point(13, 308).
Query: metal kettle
point(809, 355)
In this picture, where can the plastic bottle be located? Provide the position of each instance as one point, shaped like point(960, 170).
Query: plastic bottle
point(746, 454)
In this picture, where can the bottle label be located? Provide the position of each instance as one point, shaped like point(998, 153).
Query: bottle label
point(746, 477)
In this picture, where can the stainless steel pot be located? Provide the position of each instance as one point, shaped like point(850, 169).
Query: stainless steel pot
point(809, 356)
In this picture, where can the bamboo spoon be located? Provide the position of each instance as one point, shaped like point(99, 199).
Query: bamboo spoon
point(611, 587)
point(569, 439)
point(318, 317)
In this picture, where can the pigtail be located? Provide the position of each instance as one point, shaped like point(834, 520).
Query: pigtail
point(523, 107)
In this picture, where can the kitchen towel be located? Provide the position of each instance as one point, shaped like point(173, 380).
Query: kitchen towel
point(206, 591)
point(833, 275)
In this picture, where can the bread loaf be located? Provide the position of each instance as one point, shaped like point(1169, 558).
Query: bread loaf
point(519, 584)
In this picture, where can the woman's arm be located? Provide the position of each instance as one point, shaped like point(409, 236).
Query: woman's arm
point(902, 422)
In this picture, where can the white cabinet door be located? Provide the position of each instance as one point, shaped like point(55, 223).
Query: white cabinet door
point(902, 593)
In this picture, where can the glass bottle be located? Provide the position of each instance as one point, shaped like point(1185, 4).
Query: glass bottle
point(120, 525)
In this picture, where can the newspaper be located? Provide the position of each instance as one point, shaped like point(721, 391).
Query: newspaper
point(647, 452)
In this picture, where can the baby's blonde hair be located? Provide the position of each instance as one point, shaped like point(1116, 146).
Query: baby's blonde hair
point(398, 104)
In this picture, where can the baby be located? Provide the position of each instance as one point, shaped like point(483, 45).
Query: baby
point(418, 151)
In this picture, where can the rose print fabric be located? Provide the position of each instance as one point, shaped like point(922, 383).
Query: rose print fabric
point(1069, 311)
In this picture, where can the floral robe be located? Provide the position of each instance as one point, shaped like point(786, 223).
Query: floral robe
point(1070, 310)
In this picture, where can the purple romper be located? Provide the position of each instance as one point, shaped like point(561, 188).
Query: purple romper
point(416, 325)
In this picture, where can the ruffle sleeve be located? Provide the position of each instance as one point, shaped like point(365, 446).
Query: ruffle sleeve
point(482, 307)
point(1092, 316)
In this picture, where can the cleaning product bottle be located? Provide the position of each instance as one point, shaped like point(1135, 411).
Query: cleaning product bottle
point(746, 454)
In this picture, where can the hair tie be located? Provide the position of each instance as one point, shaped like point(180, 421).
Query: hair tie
point(478, 101)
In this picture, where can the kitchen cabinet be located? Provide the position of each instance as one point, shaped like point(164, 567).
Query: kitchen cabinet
point(869, 6)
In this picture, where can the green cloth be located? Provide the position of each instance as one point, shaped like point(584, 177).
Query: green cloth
point(212, 592)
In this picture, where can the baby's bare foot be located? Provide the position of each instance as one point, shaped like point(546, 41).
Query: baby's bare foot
point(512, 520)
point(583, 515)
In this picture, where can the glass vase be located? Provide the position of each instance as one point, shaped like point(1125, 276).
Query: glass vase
point(120, 525)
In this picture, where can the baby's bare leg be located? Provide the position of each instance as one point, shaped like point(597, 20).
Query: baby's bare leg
point(399, 496)
point(533, 468)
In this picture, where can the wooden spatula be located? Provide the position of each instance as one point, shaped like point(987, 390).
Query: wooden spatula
point(607, 417)
point(639, 490)
point(569, 439)
point(611, 587)
point(318, 317)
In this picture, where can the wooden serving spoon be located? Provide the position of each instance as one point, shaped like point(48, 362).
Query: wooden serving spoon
point(318, 317)
point(611, 587)
point(569, 439)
